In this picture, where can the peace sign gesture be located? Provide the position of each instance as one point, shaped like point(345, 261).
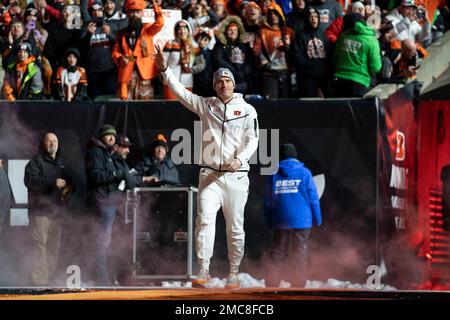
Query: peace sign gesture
point(160, 62)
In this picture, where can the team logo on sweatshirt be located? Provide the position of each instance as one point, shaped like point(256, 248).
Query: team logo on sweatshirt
point(237, 113)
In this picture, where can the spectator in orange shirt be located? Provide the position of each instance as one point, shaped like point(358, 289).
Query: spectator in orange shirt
point(272, 52)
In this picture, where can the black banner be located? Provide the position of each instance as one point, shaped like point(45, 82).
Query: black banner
point(334, 138)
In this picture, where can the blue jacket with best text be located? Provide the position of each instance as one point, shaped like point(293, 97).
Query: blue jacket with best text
point(291, 200)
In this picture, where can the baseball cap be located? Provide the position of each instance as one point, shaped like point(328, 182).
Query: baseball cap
point(223, 72)
point(26, 47)
point(409, 3)
point(97, 4)
point(123, 140)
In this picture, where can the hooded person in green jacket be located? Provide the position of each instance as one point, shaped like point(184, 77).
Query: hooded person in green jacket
point(356, 58)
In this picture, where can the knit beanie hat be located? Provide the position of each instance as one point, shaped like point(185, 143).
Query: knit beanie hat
point(288, 151)
point(160, 140)
point(105, 130)
point(356, 6)
point(135, 5)
point(223, 72)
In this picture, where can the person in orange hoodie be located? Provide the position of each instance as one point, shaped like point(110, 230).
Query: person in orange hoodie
point(133, 50)
point(272, 51)
point(23, 80)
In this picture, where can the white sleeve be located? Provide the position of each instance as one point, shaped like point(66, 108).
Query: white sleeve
point(251, 137)
point(188, 99)
point(421, 33)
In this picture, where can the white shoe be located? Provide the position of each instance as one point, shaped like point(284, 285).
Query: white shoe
point(202, 280)
point(232, 281)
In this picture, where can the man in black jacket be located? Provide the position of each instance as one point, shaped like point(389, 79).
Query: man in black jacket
point(49, 186)
point(107, 177)
point(158, 163)
point(311, 51)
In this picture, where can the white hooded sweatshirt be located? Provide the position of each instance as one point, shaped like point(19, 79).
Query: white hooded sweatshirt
point(229, 130)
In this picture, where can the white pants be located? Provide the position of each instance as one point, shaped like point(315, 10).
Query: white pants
point(229, 191)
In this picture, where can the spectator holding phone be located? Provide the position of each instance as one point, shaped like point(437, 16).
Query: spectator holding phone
point(97, 43)
point(410, 22)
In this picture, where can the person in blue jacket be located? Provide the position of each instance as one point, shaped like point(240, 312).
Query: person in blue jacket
point(292, 208)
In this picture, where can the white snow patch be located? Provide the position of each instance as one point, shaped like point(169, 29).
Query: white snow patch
point(247, 281)
point(334, 283)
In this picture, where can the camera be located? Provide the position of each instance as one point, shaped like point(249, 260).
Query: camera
point(97, 20)
point(420, 12)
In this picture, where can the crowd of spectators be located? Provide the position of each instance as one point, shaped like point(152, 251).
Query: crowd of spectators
point(67, 49)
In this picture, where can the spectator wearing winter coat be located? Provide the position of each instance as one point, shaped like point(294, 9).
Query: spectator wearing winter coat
point(132, 52)
point(408, 62)
point(35, 30)
point(203, 80)
point(389, 51)
point(23, 79)
point(202, 16)
point(97, 43)
point(63, 36)
point(32, 27)
point(292, 208)
point(356, 59)
point(183, 56)
point(272, 51)
point(158, 163)
point(335, 29)
point(220, 9)
point(52, 12)
point(232, 53)
point(50, 184)
point(311, 53)
point(71, 80)
point(253, 19)
point(407, 25)
point(10, 46)
point(107, 177)
point(328, 10)
point(114, 18)
point(296, 19)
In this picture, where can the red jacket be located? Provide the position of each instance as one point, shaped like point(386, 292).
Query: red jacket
point(334, 30)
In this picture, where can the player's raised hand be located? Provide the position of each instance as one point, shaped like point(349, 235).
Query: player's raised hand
point(160, 62)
